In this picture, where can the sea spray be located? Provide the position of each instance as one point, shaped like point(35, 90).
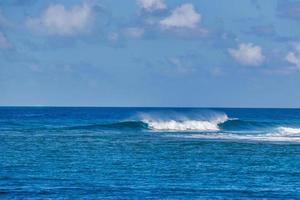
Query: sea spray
point(209, 121)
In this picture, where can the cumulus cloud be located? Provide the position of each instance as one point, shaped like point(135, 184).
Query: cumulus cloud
point(293, 57)
point(151, 5)
point(248, 54)
point(184, 16)
point(4, 43)
point(58, 20)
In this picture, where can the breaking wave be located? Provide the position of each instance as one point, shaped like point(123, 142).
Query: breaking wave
point(186, 125)
point(159, 125)
point(208, 121)
point(203, 125)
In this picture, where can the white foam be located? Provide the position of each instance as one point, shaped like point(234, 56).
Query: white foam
point(186, 124)
point(281, 134)
point(289, 130)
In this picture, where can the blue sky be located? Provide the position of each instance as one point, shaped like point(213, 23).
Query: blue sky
point(208, 53)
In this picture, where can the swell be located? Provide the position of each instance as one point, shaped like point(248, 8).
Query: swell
point(237, 124)
point(216, 124)
point(165, 121)
point(134, 125)
point(169, 125)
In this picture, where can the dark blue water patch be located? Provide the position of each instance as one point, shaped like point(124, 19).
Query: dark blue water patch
point(131, 125)
point(238, 124)
point(10, 123)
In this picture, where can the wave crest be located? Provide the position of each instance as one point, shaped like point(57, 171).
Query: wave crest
point(185, 124)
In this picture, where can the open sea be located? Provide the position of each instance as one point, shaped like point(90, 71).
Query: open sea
point(149, 153)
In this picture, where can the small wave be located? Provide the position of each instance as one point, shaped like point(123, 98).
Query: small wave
point(281, 134)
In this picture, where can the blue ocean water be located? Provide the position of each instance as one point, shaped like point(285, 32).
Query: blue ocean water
point(149, 153)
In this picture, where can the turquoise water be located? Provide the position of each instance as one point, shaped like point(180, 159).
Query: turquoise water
point(149, 153)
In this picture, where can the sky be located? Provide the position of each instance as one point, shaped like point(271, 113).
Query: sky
point(185, 53)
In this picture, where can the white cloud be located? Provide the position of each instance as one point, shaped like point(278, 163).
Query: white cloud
point(58, 20)
point(134, 32)
point(152, 5)
point(4, 43)
point(184, 16)
point(248, 54)
point(293, 57)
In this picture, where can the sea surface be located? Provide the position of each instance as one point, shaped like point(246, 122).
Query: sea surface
point(149, 153)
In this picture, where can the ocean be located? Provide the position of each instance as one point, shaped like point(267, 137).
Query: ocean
point(149, 153)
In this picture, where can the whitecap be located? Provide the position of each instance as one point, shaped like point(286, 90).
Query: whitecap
point(185, 124)
point(280, 134)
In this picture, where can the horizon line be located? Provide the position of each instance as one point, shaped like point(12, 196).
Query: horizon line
point(82, 106)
